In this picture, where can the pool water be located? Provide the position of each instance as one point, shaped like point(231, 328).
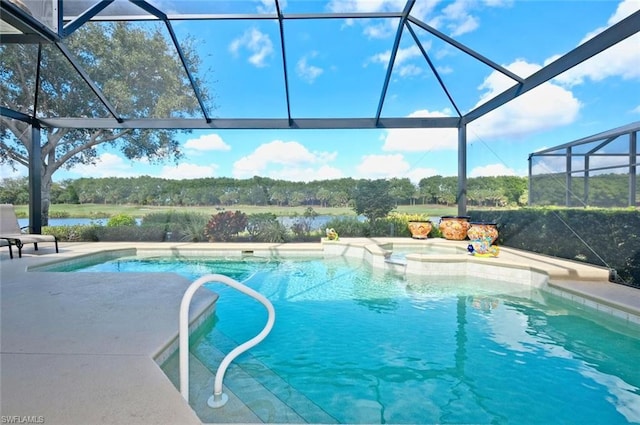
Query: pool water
point(359, 345)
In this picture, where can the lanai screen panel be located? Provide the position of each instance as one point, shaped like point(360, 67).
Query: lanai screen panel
point(595, 171)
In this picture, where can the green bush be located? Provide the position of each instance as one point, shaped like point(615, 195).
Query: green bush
point(76, 233)
point(272, 231)
point(349, 227)
point(121, 220)
point(183, 226)
point(130, 234)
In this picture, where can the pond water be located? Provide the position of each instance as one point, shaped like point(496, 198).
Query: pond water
point(318, 222)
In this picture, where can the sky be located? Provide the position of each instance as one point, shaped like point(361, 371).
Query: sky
point(336, 68)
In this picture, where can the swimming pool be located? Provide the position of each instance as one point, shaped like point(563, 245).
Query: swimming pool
point(354, 344)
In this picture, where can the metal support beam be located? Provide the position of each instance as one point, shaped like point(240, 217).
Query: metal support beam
point(633, 160)
point(284, 61)
point(85, 76)
point(433, 68)
point(567, 177)
point(529, 184)
point(174, 39)
point(35, 182)
point(392, 57)
point(585, 196)
point(461, 197)
point(29, 26)
point(69, 28)
point(253, 123)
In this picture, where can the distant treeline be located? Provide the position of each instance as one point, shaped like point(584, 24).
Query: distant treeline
point(484, 191)
point(608, 190)
point(604, 190)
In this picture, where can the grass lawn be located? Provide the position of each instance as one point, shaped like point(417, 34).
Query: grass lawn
point(108, 210)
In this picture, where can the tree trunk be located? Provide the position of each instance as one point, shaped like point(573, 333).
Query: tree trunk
point(45, 192)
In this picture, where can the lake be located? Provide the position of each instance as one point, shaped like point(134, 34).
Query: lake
point(318, 222)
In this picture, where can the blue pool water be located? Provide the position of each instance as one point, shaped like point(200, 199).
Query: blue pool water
point(365, 346)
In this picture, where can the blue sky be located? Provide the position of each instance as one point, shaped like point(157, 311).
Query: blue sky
point(336, 69)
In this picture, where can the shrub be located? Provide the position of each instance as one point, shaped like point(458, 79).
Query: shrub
point(130, 234)
point(75, 233)
point(349, 227)
point(272, 231)
point(121, 220)
point(222, 226)
point(183, 226)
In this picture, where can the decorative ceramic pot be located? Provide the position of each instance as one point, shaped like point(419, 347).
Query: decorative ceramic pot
point(481, 230)
point(420, 229)
point(483, 248)
point(454, 227)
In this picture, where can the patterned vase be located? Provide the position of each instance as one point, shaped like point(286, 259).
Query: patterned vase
point(480, 230)
point(454, 227)
point(420, 229)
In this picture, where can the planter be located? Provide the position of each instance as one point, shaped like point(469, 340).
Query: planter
point(482, 236)
point(454, 228)
point(481, 230)
point(420, 229)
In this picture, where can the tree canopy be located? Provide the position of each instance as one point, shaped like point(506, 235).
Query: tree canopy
point(134, 65)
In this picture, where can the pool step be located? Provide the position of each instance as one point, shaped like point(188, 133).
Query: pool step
point(250, 401)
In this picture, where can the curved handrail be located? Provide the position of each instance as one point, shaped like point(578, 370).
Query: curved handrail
point(218, 399)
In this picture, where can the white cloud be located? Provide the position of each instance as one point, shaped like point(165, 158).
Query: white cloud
point(491, 170)
point(188, 171)
point(278, 158)
point(307, 72)
point(389, 166)
point(107, 165)
point(257, 43)
point(417, 174)
point(402, 56)
point(458, 19)
point(269, 6)
point(543, 108)
point(382, 166)
point(324, 172)
point(382, 30)
point(409, 70)
point(421, 140)
point(366, 6)
point(207, 142)
point(636, 110)
point(621, 60)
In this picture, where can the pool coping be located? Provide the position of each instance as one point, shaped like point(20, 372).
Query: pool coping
point(49, 372)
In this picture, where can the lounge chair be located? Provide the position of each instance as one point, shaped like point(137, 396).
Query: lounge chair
point(11, 232)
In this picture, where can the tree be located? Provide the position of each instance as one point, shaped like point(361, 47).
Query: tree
point(372, 199)
point(136, 70)
point(401, 190)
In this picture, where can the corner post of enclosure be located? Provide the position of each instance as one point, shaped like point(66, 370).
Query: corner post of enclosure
point(461, 199)
point(35, 181)
point(569, 189)
point(633, 159)
point(529, 184)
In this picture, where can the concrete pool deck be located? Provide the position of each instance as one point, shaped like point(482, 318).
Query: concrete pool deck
point(79, 348)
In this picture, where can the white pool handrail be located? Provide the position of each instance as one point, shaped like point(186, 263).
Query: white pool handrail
point(218, 399)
